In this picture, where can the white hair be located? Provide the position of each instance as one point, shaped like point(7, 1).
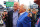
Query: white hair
point(25, 7)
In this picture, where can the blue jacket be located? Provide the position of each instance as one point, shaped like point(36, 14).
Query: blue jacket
point(24, 21)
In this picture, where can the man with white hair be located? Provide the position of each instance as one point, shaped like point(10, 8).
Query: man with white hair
point(24, 19)
point(13, 16)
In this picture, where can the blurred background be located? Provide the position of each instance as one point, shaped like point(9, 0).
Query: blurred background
point(29, 4)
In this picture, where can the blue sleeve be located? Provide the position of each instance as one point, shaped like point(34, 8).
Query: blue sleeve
point(19, 24)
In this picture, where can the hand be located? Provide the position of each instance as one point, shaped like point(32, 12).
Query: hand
point(3, 15)
point(29, 15)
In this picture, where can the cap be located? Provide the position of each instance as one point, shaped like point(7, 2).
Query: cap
point(5, 10)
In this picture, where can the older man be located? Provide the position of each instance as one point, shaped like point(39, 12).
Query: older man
point(24, 19)
point(13, 16)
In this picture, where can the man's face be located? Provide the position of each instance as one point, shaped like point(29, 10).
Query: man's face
point(5, 12)
point(15, 5)
point(34, 12)
point(21, 9)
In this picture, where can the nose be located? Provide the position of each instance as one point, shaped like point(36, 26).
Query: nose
point(15, 5)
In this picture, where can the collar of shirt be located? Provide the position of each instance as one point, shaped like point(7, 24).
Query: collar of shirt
point(22, 13)
point(17, 10)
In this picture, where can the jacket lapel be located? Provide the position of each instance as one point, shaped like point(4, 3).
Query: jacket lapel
point(11, 18)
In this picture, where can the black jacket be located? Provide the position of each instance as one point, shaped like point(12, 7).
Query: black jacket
point(10, 19)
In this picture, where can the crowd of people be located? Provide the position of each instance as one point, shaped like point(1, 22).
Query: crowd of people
point(19, 17)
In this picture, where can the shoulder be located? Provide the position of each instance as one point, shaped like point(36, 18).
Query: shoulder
point(10, 11)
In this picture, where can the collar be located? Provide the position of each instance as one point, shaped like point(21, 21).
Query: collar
point(22, 13)
point(17, 10)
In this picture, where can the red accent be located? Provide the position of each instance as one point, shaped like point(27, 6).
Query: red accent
point(37, 2)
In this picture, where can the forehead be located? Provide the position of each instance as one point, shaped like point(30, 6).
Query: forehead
point(15, 2)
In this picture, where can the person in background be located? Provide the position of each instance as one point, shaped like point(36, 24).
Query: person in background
point(38, 22)
point(24, 19)
point(5, 14)
point(33, 18)
point(13, 16)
